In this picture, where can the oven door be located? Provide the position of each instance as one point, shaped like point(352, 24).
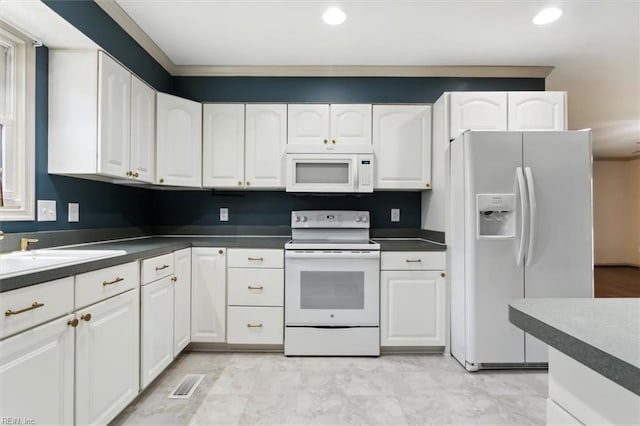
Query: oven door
point(332, 288)
point(321, 173)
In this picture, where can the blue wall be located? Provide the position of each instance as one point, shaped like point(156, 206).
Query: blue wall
point(106, 205)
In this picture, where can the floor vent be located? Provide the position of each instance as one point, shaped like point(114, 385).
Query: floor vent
point(187, 386)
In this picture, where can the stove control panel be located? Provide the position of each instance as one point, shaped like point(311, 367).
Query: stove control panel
point(329, 219)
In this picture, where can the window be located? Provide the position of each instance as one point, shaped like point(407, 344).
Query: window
point(17, 125)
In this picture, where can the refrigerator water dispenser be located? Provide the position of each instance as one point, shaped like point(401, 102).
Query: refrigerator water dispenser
point(495, 216)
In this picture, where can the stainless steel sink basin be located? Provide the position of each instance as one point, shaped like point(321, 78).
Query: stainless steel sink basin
point(21, 262)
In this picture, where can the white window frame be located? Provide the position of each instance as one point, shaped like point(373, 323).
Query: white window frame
point(20, 131)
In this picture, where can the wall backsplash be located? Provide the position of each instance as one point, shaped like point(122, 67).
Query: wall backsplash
point(274, 208)
point(105, 205)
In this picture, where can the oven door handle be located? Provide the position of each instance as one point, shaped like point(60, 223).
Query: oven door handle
point(333, 255)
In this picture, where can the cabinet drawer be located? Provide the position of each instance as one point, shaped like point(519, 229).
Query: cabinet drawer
point(255, 287)
point(104, 283)
point(255, 258)
point(412, 260)
point(29, 306)
point(255, 325)
point(157, 267)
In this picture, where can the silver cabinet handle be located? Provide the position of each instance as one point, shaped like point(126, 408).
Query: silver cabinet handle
point(413, 260)
point(255, 288)
point(256, 258)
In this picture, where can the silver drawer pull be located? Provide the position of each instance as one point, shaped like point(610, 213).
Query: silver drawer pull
point(117, 280)
point(34, 305)
point(254, 325)
point(413, 260)
point(256, 288)
point(256, 258)
point(160, 268)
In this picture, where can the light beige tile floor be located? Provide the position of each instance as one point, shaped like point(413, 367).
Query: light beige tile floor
point(271, 389)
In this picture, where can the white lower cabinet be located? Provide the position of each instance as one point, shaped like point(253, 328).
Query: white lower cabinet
point(36, 374)
point(107, 358)
point(156, 334)
point(412, 300)
point(181, 300)
point(208, 294)
point(255, 313)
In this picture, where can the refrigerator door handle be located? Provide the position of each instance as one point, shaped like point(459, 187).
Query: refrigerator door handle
point(523, 213)
point(532, 213)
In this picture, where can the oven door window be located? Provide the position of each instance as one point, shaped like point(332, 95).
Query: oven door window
point(333, 173)
point(332, 290)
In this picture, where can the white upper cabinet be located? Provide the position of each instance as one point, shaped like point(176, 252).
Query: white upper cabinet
point(350, 124)
point(244, 153)
point(179, 141)
point(143, 131)
point(333, 126)
point(114, 117)
point(265, 144)
point(101, 118)
point(477, 111)
point(223, 145)
point(402, 146)
point(308, 124)
point(537, 111)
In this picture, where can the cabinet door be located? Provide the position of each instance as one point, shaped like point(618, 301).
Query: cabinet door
point(308, 124)
point(223, 145)
point(36, 374)
point(182, 301)
point(402, 146)
point(537, 111)
point(107, 358)
point(156, 329)
point(208, 294)
point(265, 144)
point(412, 308)
point(179, 139)
point(477, 111)
point(350, 124)
point(143, 131)
point(114, 117)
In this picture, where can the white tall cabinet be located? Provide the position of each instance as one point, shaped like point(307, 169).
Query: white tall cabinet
point(181, 300)
point(179, 141)
point(335, 125)
point(101, 118)
point(208, 294)
point(402, 146)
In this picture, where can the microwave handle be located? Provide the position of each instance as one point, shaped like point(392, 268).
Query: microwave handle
point(354, 173)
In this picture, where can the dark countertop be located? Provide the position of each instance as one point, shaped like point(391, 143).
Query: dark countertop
point(603, 334)
point(145, 247)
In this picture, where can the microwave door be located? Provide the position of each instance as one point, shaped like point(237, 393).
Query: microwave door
point(321, 175)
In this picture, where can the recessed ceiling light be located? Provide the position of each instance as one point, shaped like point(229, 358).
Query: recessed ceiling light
point(334, 16)
point(547, 16)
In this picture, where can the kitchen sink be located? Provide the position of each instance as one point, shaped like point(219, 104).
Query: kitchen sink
point(21, 262)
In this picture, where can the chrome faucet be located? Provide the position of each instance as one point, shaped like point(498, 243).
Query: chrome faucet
point(24, 243)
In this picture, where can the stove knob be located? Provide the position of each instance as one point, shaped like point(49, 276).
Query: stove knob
point(358, 219)
point(364, 219)
point(297, 218)
point(304, 218)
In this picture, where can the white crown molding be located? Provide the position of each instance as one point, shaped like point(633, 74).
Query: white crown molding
point(121, 17)
point(365, 71)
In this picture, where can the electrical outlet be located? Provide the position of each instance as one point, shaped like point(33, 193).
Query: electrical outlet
point(74, 212)
point(395, 215)
point(46, 210)
point(224, 214)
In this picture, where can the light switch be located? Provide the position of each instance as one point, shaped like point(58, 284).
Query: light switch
point(224, 214)
point(74, 212)
point(395, 215)
point(46, 210)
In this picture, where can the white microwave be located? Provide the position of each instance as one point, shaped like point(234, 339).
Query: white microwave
point(337, 172)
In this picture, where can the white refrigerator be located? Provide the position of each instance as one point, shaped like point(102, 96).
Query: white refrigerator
point(520, 226)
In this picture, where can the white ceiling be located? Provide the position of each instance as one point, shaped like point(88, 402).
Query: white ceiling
point(594, 46)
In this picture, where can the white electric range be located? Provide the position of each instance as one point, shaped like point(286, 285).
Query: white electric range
point(332, 285)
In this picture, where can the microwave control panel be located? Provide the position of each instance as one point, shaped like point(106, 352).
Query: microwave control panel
point(365, 172)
